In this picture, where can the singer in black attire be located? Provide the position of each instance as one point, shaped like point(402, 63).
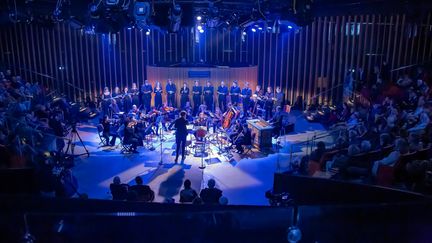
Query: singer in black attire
point(181, 134)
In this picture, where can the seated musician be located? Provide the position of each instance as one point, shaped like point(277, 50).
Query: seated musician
point(134, 111)
point(245, 138)
point(201, 120)
point(160, 121)
point(276, 121)
point(130, 137)
point(217, 119)
point(235, 131)
point(107, 132)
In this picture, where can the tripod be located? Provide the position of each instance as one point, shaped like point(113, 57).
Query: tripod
point(73, 137)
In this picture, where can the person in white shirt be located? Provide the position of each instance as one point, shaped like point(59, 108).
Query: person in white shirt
point(401, 147)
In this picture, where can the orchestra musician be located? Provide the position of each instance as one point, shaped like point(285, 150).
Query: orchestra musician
point(106, 123)
point(217, 119)
point(222, 95)
point(243, 138)
point(181, 134)
point(127, 99)
point(158, 95)
point(135, 94)
point(276, 121)
point(171, 89)
point(146, 91)
point(106, 96)
point(235, 130)
point(246, 94)
point(201, 120)
point(184, 95)
point(268, 103)
point(130, 136)
point(134, 111)
point(208, 96)
point(197, 92)
point(235, 93)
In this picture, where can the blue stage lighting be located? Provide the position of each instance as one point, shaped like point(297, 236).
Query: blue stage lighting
point(253, 30)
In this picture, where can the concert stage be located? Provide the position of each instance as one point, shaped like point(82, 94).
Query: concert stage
point(243, 178)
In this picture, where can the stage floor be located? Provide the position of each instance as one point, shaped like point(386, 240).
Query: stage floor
point(244, 179)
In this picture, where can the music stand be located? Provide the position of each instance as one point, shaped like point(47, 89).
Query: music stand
point(161, 142)
point(202, 154)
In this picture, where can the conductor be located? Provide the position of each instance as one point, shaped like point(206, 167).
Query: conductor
point(181, 133)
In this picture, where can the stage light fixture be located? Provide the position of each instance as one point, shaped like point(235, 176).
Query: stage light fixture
point(175, 16)
point(199, 18)
point(199, 27)
point(112, 2)
point(289, 27)
point(148, 32)
point(141, 13)
point(260, 28)
point(244, 33)
point(253, 30)
point(201, 31)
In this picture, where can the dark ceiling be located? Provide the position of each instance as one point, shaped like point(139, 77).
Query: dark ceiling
point(42, 10)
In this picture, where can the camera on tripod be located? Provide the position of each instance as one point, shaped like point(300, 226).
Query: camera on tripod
point(283, 199)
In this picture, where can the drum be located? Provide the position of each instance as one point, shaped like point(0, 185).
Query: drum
point(200, 133)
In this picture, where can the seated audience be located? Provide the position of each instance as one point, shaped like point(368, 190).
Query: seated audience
point(143, 192)
point(118, 190)
point(187, 194)
point(318, 152)
point(401, 147)
point(211, 195)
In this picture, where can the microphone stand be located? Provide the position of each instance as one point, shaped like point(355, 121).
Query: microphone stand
point(161, 149)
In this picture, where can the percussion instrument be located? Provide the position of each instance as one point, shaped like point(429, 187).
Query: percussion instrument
point(200, 133)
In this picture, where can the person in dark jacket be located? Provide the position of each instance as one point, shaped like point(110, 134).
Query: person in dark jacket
point(181, 133)
point(187, 194)
point(211, 194)
point(144, 193)
point(119, 191)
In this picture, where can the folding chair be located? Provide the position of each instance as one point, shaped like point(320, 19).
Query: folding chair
point(100, 129)
point(126, 147)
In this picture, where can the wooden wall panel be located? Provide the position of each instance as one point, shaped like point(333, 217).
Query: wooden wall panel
point(179, 75)
point(303, 62)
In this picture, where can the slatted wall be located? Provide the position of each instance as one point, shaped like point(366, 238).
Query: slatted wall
point(304, 62)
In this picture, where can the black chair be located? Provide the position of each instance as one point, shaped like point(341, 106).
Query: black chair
point(126, 147)
point(249, 144)
point(103, 140)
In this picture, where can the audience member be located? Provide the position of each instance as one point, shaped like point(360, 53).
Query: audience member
point(401, 147)
point(318, 152)
point(118, 190)
point(187, 194)
point(211, 194)
point(143, 192)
